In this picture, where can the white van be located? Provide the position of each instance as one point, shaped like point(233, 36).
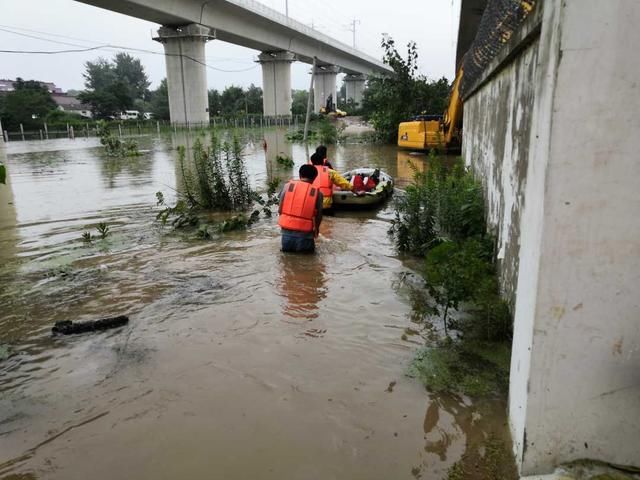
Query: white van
point(129, 115)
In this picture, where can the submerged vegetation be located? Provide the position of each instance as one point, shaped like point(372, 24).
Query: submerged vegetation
point(103, 231)
point(441, 218)
point(322, 130)
point(114, 146)
point(216, 182)
point(284, 161)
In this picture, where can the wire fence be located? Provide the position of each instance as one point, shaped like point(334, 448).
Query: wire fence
point(500, 19)
point(50, 131)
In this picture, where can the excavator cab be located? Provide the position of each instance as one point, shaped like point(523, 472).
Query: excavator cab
point(421, 133)
point(443, 132)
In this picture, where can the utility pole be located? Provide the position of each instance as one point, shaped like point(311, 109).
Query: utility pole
point(286, 7)
point(309, 100)
point(352, 28)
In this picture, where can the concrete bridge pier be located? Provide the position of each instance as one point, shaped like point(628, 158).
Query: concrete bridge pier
point(324, 85)
point(355, 87)
point(276, 82)
point(184, 48)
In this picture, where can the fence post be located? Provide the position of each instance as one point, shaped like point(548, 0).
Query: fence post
point(22, 132)
point(6, 136)
point(2, 131)
point(41, 136)
point(158, 127)
point(46, 131)
point(68, 134)
point(72, 133)
point(120, 130)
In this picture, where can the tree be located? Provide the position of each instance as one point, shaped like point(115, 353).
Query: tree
point(299, 103)
point(28, 104)
point(130, 71)
point(114, 86)
point(108, 101)
point(99, 74)
point(160, 101)
point(233, 101)
point(389, 100)
point(253, 97)
point(215, 106)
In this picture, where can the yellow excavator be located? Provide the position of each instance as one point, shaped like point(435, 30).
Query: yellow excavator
point(426, 132)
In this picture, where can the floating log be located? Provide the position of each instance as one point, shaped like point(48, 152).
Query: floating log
point(67, 327)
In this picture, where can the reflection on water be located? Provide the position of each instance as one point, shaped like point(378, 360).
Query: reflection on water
point(302, 285)
point(239, 361)
point(274, 145)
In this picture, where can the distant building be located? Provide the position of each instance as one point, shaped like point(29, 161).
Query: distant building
point(71, 104)
point(7, 86)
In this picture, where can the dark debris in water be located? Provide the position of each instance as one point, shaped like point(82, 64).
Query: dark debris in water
point(68, 327)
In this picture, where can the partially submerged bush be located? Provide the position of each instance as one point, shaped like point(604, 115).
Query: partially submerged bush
point(441, 204)
point(217, 182)
point(322, 130)
point(113, 145)
point(284, 160)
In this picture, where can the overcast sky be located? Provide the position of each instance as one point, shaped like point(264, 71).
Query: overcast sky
point(431, 23)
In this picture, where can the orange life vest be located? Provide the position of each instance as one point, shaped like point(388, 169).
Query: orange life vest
point(299, 207)
point(323, 181)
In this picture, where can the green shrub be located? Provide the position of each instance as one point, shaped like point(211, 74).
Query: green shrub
point(453, 271)
point(217, 182)
point(284, 160)
point(441, 218)
point(443, 204)
point(113, 145)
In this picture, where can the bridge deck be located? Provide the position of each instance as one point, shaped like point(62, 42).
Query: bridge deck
point(252, 25)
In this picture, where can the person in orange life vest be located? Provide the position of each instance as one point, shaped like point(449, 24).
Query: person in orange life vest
point(326, 179)
point(322, 151)
point(300, 212)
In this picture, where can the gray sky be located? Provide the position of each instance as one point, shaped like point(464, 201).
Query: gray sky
point(431, 23)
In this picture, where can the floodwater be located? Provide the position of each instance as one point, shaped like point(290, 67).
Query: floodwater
point(238, 362)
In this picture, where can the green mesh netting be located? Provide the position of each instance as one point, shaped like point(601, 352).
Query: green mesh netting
point(499, 20)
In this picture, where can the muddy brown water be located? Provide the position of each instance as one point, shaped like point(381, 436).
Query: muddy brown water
point(238, 362)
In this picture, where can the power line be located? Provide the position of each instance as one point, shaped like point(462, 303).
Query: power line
point(3, 27)
point(82, 48)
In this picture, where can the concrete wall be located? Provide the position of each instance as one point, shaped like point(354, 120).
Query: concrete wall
point(498, 121)
point(558, 152)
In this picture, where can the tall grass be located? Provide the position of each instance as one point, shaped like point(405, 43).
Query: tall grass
point(219, 179)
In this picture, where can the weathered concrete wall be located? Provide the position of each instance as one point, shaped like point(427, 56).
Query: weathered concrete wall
point(559, 160)
point(498, 119)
